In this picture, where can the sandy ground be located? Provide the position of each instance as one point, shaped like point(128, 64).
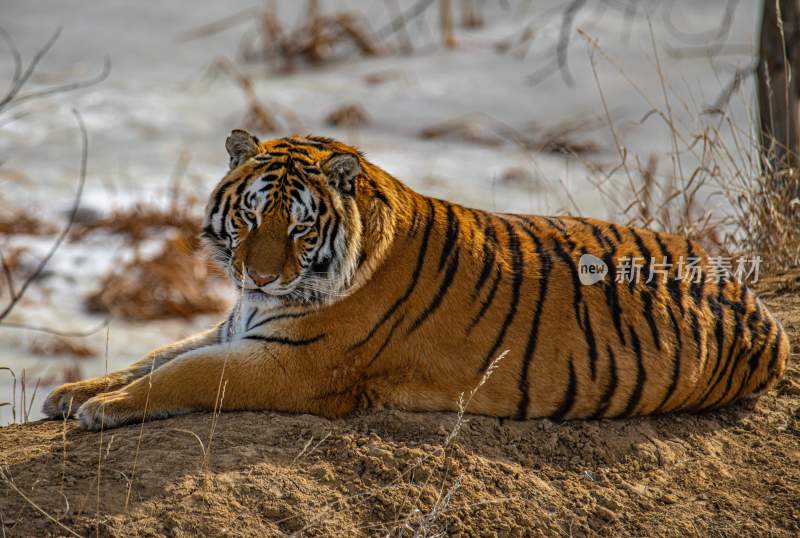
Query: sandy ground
point(732, 472)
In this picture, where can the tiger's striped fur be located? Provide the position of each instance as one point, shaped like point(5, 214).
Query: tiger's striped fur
point(389, 298)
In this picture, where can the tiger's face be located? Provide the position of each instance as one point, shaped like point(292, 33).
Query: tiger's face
point(283, 223)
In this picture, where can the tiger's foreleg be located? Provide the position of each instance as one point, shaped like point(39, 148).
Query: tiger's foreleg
point(240, 375)
point(66, 399)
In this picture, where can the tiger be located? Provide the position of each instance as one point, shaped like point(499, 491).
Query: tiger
point(355, 292)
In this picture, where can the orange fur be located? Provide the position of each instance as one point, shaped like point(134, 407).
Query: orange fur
point(437, 292)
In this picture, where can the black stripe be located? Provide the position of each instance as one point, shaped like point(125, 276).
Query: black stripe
point(558, 225)
point(250, 318)
point(225, 329)
point(729, 384)
point(676, 362)
point(385, 341)
point(450, 235)
point(488, 301)
point(775, 347)
point(696, 333)
point(209, 233)
point(698, 342)
point(670, 259)
point(452, 269)
point(489, 245)
point(696, 289)
point(611, 387)
point(274, 318)
point(674, 289)
point(334, 234)
point(243, 185)
point(379, 194)
point(612, 296)
point(285, 341)
point(731, 362)
point(516, 283)
point(411, 285)
point(576, 282)
point(611, 290)
point(295, 194)
point(569, 394)
point(604, 241)
point(412, 228)
point(590, 343)
point(217, 201)
point(276, 165)
point(615, 232)
point(752, 365)
point(641, 377)
point(719, 333)
point(533, 333)
point(584, 321)
point(645, 252)
point(225, 207)
point(647, 299)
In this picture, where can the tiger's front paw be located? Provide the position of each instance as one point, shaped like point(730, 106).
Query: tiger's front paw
point(109, 410)
point(65, 400)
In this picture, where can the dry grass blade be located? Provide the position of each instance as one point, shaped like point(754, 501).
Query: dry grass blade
point(8, 480)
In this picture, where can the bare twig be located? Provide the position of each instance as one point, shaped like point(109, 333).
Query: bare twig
point(68, 87)
point(15, 298)
point(55, 332)
point(400, 22)
point(20, 80)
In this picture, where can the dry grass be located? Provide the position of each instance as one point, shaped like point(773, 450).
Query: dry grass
point(317, 40)
point(716, 186)
point(178, 281)
point(175, 283)
point(54, 345)
point(569, 137)
point(348, 116)
point(143, 221)
point(23, 222)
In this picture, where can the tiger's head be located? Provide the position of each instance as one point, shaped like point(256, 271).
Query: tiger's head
point(284, 223)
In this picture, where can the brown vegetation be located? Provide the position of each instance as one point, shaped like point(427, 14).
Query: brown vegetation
point(54, 345)
point(175, 283)
point(22, 222)
point(567, 138)
point(348, 116)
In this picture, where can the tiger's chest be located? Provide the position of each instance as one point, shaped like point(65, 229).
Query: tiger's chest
point(257, 320)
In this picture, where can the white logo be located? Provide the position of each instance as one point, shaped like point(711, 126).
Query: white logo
point(591, 269)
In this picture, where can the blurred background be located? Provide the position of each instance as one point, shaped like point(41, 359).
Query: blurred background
point(640, 112)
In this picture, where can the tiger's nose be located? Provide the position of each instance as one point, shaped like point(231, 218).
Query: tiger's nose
point(261, 279)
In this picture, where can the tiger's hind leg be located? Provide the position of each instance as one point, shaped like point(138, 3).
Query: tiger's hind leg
point(65, 400)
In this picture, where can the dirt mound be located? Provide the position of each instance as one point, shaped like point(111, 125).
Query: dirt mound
point(732, 472)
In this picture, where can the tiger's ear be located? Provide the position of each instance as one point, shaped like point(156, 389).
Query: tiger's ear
point(342, 170)
point(241, 145)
